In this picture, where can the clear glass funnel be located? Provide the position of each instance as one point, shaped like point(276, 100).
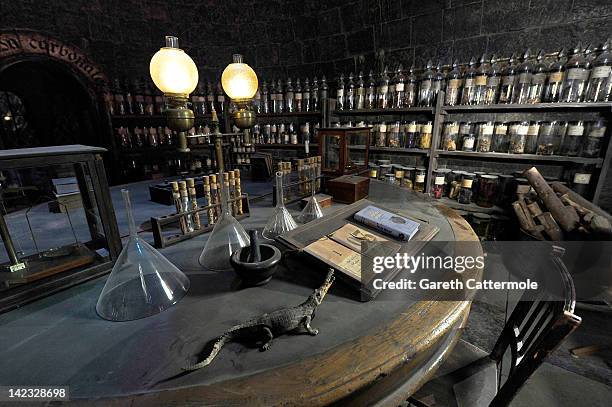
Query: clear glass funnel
point(312, 210)
point(143, 282)
point(281, 221)
point(227, 236)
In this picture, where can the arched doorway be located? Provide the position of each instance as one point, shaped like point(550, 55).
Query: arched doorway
point(59, 92)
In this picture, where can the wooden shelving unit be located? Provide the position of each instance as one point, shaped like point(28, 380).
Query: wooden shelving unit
point(440, 113)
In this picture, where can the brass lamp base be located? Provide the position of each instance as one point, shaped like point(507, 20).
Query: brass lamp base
point(180, 119)
point(244, 119)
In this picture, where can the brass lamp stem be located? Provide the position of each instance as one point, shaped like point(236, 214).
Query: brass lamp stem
point(180, 118)
point(218, 142)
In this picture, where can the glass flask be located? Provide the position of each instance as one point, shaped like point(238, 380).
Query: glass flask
point(306, 102)
point(227, 236)
point(453, 86)
point(419, 179)
point(297, 95)
point(465, 131)
point(370, 94)
point(323, 92)
point(340, 93)
point(538, 79)
point(412, 135)
point(554, 85)
point(382, 91)
point(314, 95)
point(593, 141)
point(493, 81)
point(449, 136)
point(281, 221)
point(438, 184)
point(468, 96)
point(393, 135)
point(289, 97)
point(600, 83)
point(518, 134)
point(507, 81)
point(546, 139)
point(312, 210)
point(426, 95)
point(523, 82)
point(399, 88)
point(480, 81)
point(438, 82)
point(425, 139)
point(143, 282)
point(501, 141)
point(381, 135)
point(410, 98)
point(360, 92)
point(465, 193)
point(576, 76)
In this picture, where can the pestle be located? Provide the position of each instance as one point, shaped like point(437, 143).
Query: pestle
point(254, 252)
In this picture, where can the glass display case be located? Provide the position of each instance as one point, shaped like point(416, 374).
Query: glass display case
point(57, 221)
point(344, 150)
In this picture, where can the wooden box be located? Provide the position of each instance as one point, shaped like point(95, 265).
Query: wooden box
point(324, 201)
point(348, 188)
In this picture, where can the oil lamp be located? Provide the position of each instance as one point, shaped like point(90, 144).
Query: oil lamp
point(176, 75)
point(239, 81)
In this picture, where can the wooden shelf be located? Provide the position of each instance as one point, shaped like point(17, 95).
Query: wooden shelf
point(392, 150)
point(519, 157)
point(134, 117)
point(530, 107)
point(288, 114)
point(287, 146)
point(378, 112)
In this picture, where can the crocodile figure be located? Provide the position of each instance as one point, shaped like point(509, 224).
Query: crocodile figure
point(268, 326)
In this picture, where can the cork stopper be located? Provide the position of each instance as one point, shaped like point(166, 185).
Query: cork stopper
point(205, 180)
point(174, 185)
point(190, 183)
point(213, 179)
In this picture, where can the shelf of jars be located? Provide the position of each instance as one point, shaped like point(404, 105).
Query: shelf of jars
point(389, 111)
point(285, 146)
point(289, 114)
point(393, 150)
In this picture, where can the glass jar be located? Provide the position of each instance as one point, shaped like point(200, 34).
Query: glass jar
point(481, 223)
point(468, 142)
point(453, 86)
point(419, 179)
point(601, 75)
point(438, 183)
point(402, 134)
point(468, 95)
point(576, 77)
point(426, 95)
point(531, 140)
point(399, 171)
point(501, 140)
point(485, 134)
point(409, 173)
point(487, 191)
point(522, 186)
point(412, 135)
point(465, 129)
point(390, 178)
point(573, 139)
point(393, 139)
point(554, 83)
point(505, 190)
point(449, 136)
point(465, 193)
point(454, 183)
point(594, 139)
point(446, 173)
point(518, 134)
point(581, 180)
point(373, 171)
point(425, 139)
point(476, 181)
point(381, 135)
point(383, 170)
point(546, 139)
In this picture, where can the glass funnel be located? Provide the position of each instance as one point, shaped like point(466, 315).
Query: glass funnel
point(143, 282)
point(312, 210)
point(281, 221)
point(227, 236)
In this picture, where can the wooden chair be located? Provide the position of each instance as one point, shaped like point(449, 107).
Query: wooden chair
point(471, 378)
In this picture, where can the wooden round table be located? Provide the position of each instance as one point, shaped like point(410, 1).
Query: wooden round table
point(366, 352)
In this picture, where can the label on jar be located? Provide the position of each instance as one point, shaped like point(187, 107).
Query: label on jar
point(601, 72)
point(597, 132)
point(468, 143)
point(501, 129)
point(439, 180)
point(426, 85)
point(533, 130)
point(383, 89)
point(420, 178)
point(487, 129)
point(399, 87)
point(522, 130)
point(220, 98)
point(340, 93)
point(577, 74)
point(469, 82)
point(382, 128)
point(298, 96)
point(453, 129)
point(412, 128)
point(575, 130)
point(580, 178)
point(454, 83)
point(211, 98)
point(391, 88)
point(525, 77)
point(538, 79)
point(481, 80)
point(493, 81)
point(465, 128)
point(555, 77)
point(508, 80)
point(426, 128)
point(360, 91)
point(466, 183)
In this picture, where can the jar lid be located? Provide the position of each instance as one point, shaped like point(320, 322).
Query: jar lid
point(409, 168)
point(421, 169)
point(386, 165)
point(489, 176)
point(479, 173)
point(381, 162)
point(444, 170)
point(469, 174)
point(522, 181)
point(506, 176)
point(458, 172)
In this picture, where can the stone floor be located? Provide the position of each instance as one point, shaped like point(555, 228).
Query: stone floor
point(564, 380)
